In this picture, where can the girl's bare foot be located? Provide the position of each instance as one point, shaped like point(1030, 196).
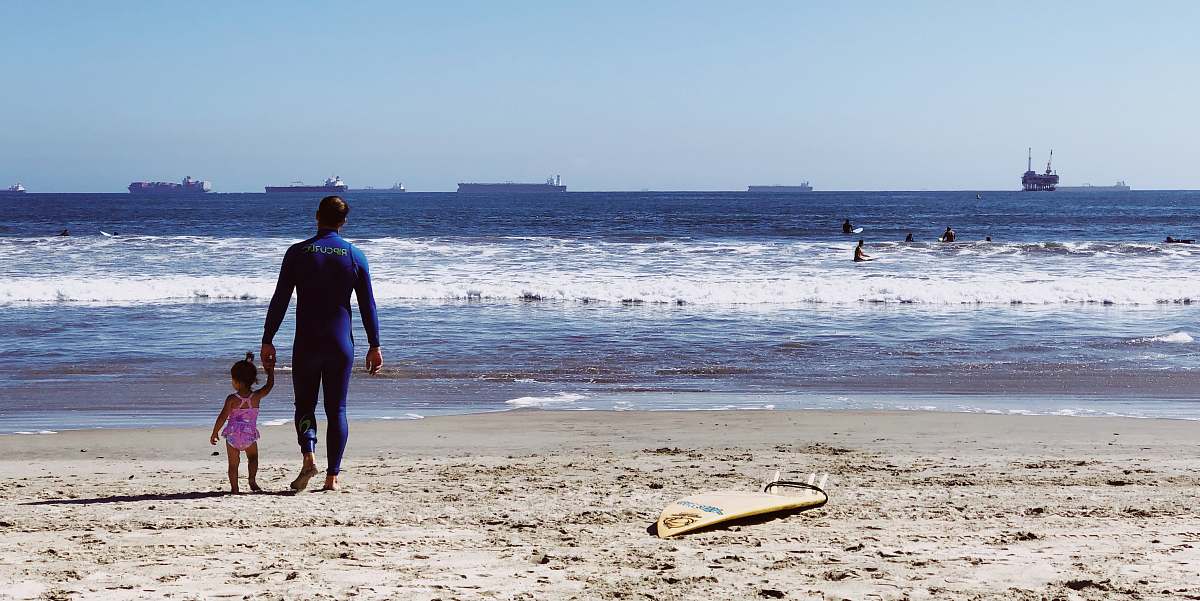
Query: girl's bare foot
point(255, 487)
point(235, 491)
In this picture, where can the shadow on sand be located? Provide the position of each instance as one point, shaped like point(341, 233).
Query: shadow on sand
point(176, 496)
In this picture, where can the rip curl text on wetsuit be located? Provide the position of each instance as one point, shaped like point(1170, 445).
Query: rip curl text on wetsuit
point(323, 271)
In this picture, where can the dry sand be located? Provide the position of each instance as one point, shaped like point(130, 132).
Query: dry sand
point(555, 505)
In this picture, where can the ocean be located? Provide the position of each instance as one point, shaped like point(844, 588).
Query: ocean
point(627, 301)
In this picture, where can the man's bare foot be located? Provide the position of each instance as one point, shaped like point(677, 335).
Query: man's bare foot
point(306, 474)
point(255, 487)
point(331, 482)
point(235, 491)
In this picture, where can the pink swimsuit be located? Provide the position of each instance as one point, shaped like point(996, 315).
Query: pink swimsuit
point(241, 430)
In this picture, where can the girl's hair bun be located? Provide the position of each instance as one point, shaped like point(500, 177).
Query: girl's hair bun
point(250, 357)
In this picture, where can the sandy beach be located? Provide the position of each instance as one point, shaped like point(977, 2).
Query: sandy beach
point(555, 505)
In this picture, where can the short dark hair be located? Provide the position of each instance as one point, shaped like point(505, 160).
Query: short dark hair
point(244, 371)
point(333, 211)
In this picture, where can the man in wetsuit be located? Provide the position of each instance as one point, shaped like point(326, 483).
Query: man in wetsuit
point(323, 270)
point(846, 227)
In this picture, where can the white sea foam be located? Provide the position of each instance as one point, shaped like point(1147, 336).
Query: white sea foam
point(29, 433)
point(559, 400)
point(406, 416)
point(276, 422)
point(1175, 338)
point(781, 273)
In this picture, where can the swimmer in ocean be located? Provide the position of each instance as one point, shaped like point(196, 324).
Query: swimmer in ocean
point(846, 227)
point(859, 255)
point(948, 235)
point(908, 238)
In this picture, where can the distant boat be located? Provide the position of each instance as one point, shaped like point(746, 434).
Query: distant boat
point(333, 185)
point(13, 190)
point(803, 187)
point(553, 184)
point(1120, 186)
point(187, 187)
point(395, 189)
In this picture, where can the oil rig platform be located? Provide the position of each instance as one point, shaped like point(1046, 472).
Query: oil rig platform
point(1032, 181)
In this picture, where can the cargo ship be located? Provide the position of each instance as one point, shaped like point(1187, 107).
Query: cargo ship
point(1120, 186)
point(553, 184)
point(186, 187)
point(13, 190)
point(803, 187)
point(395, 189)
point(1032, 181)
point(333, 185)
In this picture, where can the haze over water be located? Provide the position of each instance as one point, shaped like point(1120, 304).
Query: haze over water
point(617, 301)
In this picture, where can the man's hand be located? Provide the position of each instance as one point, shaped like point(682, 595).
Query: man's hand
point(374, 360)
point(267, 354)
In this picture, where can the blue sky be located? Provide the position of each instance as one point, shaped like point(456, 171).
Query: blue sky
point(612, 95)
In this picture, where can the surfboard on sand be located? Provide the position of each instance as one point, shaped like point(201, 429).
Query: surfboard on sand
point(711, 508)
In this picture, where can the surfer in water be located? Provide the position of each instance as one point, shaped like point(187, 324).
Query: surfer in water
point(859, 255)
point(908, 238)
point(948, 235)
point(323, 271)
point(846, 227)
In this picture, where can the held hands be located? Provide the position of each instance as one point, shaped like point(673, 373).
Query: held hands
point(374, 360)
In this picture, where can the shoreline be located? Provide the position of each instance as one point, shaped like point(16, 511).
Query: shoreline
point(947, 403)
point(796, 421)
point(555, 504)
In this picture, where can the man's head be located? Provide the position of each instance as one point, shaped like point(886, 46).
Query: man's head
point(332, 212)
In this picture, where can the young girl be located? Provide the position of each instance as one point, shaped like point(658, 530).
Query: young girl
point(241, 410)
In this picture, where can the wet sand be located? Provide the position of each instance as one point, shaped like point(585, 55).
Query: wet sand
point(555, 505)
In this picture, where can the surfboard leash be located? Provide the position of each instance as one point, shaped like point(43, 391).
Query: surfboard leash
point(800, 485)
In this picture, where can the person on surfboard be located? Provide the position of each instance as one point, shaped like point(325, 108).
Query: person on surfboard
point(323, 271)
point(859, 255)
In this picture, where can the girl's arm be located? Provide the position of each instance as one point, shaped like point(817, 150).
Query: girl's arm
point(221, 420)
point(266, 389)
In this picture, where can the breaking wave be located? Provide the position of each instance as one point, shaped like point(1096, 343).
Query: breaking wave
point(1175, 338)
point(689, 272)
